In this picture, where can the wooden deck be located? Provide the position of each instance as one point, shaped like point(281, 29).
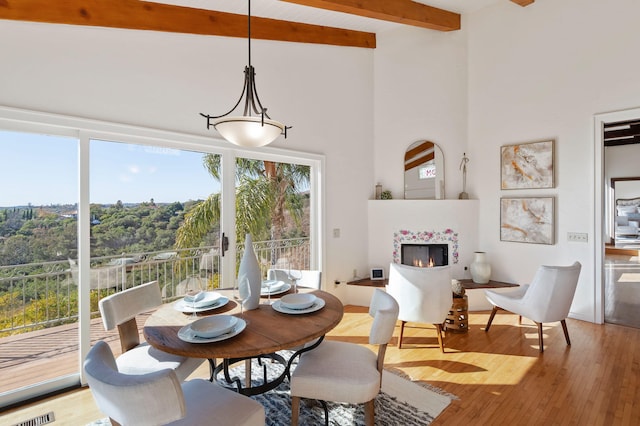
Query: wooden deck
point(29, 358)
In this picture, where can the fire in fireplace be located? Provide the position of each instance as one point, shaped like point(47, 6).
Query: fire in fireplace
point(424, 255)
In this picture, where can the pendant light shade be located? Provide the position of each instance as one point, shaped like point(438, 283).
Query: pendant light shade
point(251, 132)
point(254, 128)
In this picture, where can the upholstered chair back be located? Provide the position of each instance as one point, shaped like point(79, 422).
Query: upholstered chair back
point(308, 278)
point(145, 399)
point(424, 294)
point(550, 294)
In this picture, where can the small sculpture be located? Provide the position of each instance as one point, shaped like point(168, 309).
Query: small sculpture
point(463, 166)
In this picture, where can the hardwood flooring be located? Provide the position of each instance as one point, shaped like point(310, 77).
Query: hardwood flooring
point(622, 289)
point(499, 377)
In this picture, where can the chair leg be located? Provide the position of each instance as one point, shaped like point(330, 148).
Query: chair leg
point(369, 414)
point(493, 314)
point(440, 341)
point(540, 342)
point(295, 410)
point(402, 323)
point(566, 332)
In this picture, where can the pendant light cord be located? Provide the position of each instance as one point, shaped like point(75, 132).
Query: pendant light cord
point(249, 30)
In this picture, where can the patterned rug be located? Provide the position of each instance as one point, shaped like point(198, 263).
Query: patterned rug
point(400, 403)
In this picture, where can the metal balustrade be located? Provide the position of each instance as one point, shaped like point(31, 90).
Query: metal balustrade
point(41, 295)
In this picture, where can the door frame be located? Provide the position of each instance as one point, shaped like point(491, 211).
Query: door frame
point(600, 193)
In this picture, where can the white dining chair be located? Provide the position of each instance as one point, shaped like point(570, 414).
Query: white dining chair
point(547, 299)
point(120, 310)
point(424, 295)
point(304, 277)
point(343, 371)
point(158, 398)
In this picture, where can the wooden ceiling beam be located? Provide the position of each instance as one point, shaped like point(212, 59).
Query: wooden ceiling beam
point(141, 15)
point(400, 11)
point(523, 3)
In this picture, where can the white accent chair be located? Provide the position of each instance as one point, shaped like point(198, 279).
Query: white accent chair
point(308, 278)
point(343, 371)
point(424, 296)
point(158, 398)
point(120, 310)
point(547, 299)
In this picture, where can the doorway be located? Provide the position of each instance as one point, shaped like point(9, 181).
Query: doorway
point(618, 137)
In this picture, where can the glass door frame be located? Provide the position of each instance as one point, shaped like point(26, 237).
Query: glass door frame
point(85, 130)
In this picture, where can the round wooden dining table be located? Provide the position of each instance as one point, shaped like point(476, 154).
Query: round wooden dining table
point(267, 331)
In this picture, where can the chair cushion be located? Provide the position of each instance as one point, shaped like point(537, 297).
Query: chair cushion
point(211, 404)
point(145, 358)
point(337, 371)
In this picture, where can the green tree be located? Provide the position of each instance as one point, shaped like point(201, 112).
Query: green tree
point(265, 191)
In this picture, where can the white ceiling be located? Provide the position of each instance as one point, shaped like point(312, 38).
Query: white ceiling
point(292, 12)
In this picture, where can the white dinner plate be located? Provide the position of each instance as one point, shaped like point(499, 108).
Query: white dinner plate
point(186, 307)
point(318, 304)
point(208, 298)
point(187, 335)
point(214, 325)
point(298, 301)
point(285, 288)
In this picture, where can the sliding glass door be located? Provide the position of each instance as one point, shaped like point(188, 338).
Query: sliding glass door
point(101, 208)
point(38, 234)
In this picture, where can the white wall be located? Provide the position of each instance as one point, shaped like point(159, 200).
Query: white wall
point(420, 94)
point(164, 80)
point(543, 72)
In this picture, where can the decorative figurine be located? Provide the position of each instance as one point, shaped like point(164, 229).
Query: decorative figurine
point(463, 166)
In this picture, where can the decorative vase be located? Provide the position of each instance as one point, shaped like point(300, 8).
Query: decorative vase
point(480, 268)
point(249, 274)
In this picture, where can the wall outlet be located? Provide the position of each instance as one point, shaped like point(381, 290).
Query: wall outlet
point(578, 237)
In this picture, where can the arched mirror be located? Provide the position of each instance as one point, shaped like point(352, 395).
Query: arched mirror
point(424, 171)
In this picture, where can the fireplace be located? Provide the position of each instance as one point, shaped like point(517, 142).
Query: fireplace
point(424, 255)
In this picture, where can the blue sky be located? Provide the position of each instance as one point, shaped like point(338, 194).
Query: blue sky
point(42, 170)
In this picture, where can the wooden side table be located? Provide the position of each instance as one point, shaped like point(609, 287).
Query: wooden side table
point(458, 319)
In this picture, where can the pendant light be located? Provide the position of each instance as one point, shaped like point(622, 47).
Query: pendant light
point(254, 128)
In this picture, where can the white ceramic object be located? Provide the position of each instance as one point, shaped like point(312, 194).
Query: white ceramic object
point(249, 274)
point(213, 326)
point(186, 307)
point(480, 268)
point(206, 298)
point(317, 305)
point(187, 335)
point(297, 301)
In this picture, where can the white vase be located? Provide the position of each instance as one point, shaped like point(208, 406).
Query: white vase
point(249, 274)
point(480, 268)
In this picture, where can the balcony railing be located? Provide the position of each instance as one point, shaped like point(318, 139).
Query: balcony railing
point(41, 295)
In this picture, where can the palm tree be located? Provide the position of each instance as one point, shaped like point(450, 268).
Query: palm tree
point(265, 191)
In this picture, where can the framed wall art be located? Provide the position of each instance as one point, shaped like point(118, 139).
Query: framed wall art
point(527, 165)
point(527, 220)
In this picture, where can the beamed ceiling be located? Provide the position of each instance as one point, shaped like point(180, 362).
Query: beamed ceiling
point(204, 20)
point(622, 133)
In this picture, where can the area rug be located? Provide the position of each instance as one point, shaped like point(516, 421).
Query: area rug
point(400, 403)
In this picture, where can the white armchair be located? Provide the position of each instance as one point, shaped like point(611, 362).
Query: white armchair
point(547, 299)
point(424, 295)
point(157, 398)
point(120, 310)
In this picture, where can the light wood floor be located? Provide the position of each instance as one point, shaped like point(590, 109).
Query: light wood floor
point(499, 377)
